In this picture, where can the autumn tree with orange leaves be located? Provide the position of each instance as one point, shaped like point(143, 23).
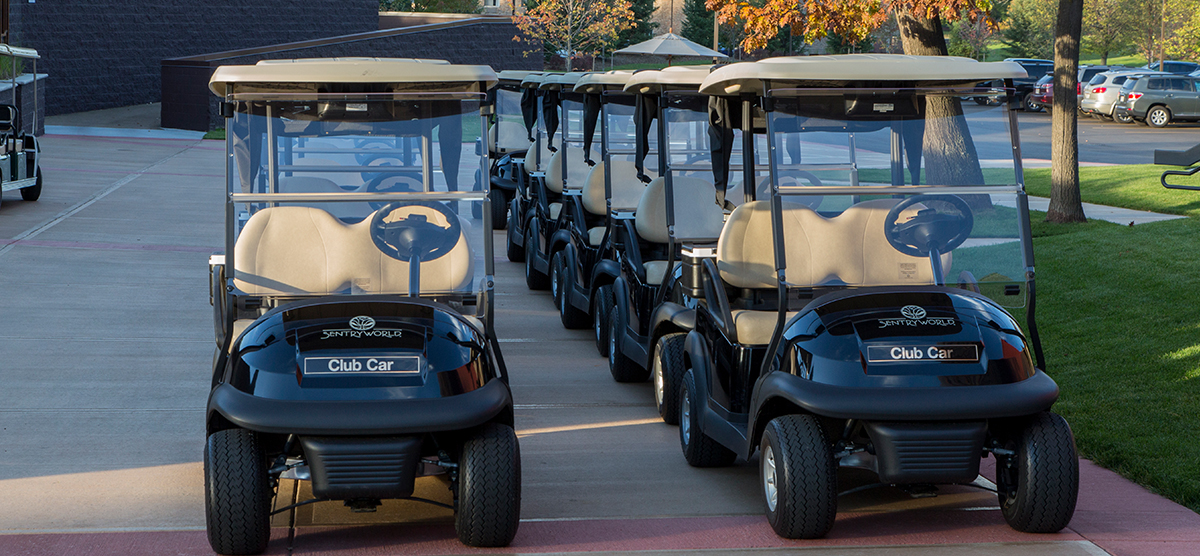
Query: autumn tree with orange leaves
point(575, 25)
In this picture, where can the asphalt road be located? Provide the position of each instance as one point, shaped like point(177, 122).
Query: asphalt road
point(1104, 142)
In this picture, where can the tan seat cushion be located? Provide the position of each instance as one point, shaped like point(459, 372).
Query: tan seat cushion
point(305, 250)
point(309, 184)
point(577, 170)
point(555, 209)
point(755, 327)
point(595, 235)
point(655, 271)
point(848, 249)
point(693, 197)
point(507, 136)
point(627, 189)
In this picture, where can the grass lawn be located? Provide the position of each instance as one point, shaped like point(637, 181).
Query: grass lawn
point(1119, 317)
point(1133, 186)
point(216, 134)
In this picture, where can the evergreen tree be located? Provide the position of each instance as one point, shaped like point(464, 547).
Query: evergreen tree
point(643, 28)
point(697, 22)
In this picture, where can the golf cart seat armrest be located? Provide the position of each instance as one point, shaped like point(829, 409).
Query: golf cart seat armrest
point(1027, 397)
point(360, 417)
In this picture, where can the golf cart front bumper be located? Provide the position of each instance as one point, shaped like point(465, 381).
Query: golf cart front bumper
point(360, 417)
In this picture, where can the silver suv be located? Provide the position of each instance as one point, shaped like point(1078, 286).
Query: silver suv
point(1157, 100)
point(1100, 95)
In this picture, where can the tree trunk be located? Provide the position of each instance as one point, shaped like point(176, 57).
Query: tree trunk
point(1065, 202)
point(950, 156)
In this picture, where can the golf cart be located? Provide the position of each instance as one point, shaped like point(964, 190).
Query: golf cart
point(354, 323)
point(873, 331)
point(562, 179)
point(540, 114)
point(582, 238)
point(677, 216)
point(507, 140)
point(19, 151)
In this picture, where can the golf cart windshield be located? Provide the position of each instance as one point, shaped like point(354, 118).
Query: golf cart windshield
point(875, 180)
point(691, 142)
point(621, 136)
point(365, 193)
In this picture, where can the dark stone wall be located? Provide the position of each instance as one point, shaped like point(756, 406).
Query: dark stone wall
point(188, 104)
point(106, 53)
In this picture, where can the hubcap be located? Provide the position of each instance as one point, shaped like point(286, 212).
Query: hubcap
point(1158, 117)
point(612, 342)
point(554, 281)
point(768, 477)
point(685, 421)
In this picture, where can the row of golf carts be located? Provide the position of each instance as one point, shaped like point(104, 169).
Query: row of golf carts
point(815, 260)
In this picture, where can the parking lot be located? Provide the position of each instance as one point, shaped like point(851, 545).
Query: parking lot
point(107, 348)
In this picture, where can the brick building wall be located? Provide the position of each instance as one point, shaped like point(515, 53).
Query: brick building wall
point(107, 53)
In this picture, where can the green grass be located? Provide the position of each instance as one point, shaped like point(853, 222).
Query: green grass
point(1119, 317)
point(216, 134)
point(1134, 187)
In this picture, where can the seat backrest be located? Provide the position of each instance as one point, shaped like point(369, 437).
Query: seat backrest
point(848, 249)
point(627, 189)
point(305, 250)
point(308, 184)
point(506, 136)
point(693, 197)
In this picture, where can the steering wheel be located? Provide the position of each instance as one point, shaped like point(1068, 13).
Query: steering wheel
point(931, 229)
point(415, 236)
point(391, 183)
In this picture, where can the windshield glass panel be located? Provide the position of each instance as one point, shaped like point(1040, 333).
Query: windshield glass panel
point(844, 159)
point(345, 196)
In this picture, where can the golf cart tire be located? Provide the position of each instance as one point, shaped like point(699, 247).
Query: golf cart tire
point(237, 494)
point(571, 317)
point(669, 364)
point(499, 210)
point(1046, 475)
point(795, 452)
point(556, 280)
point(515, 252)
point(602, 306)
point(32, 193)
point(623, 368)
point(534, 279)
point(489, 486)
point(699, 449)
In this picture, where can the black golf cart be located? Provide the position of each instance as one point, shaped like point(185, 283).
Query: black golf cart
point(873, 331)
point(678, 215)
point(354, 325)
point(19, 150)
point(562, 178)
point(508, 140)
point(538, 113)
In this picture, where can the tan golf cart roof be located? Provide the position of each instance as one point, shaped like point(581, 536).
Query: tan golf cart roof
point(16, 51)
point(515, 77)
point(605, 81)
point(673, 78)
point(561, 81)
point(300, 76)
point(790, 71)
point(534, 80)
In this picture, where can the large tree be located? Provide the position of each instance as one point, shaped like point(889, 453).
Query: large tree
point(1152, 23)
point(575, 25)
point(1028, 28)
point(642, 28)
point(1105, 27)
point(1065, 202)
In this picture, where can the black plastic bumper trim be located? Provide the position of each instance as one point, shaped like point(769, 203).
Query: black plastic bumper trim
point(1030, 396)
point(368, 417)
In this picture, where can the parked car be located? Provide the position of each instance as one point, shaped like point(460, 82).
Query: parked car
point(1036, 68)
point(1174, 66)
point(1043, 92)
point(1158, 100)
point(1101, 93)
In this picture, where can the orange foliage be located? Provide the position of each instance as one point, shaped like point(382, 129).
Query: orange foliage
point(814, 19)
point(576, 25)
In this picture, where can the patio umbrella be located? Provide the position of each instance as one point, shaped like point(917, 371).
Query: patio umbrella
point(670, 44)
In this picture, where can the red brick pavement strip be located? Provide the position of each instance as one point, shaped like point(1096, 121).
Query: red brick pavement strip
point(1118, 516)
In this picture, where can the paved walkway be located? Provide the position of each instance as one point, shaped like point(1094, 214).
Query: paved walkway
point(106, 354)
